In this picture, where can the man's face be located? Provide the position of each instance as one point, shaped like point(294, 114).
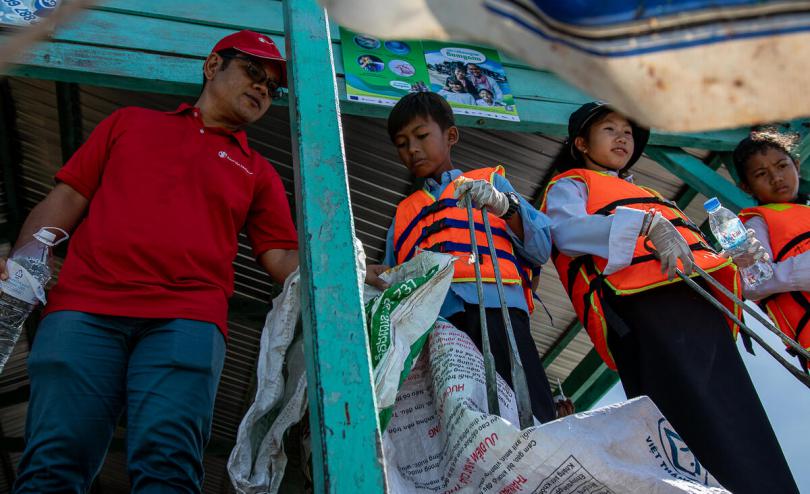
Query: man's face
point(474, 70)
point(243, 89)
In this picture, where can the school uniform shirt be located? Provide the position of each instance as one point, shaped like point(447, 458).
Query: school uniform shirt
point(534, 250)
point(168, 197)
point(790, 275)
point(577, 233)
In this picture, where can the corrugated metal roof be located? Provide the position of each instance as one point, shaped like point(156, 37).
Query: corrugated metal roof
point(377, 181)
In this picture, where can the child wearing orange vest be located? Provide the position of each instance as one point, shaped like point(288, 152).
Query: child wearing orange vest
point(423, 130)
point(781, 222)
point(616, 248)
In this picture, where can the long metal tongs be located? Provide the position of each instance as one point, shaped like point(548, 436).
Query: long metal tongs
point(519, 382)
point(802, 377)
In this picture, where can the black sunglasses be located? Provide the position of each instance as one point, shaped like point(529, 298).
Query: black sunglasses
point(257, 74)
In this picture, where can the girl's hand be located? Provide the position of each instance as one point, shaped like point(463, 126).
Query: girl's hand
point(750, 253)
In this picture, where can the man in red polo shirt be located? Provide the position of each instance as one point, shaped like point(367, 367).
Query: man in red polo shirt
point(137, 321)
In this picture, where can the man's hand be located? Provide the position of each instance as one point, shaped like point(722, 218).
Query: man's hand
point(482, 194)
point(373, 272)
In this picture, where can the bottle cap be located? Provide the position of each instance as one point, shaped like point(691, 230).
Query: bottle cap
point(711, 205)
point(45, 236)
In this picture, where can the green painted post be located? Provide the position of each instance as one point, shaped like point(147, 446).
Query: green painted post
point(346, 452)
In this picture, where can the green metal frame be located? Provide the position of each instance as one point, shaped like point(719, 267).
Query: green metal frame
point(342, 411)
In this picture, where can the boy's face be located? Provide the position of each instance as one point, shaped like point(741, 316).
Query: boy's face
point(609, 143)
point(484, 95)
point(771, 176)
point(424, 148)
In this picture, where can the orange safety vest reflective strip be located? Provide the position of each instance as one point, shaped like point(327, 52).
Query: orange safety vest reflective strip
point(583, 276)
point(789, 233)
point(425, 222)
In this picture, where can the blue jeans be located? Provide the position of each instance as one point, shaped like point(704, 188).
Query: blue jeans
point(85, 369)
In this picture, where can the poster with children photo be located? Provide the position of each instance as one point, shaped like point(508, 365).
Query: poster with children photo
point(380, 71)
point(471, 79)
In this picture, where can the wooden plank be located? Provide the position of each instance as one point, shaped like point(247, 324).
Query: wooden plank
point(155, 35)
point(342, 408)
point(700, 177)
point(11, 159)
point(266, 16)
point(70, 118)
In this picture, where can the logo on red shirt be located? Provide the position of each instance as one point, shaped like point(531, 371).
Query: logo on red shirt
point(224, 155)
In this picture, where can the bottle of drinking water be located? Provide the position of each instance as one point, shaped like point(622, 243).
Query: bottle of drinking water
point(732, 235)
point(28, 273)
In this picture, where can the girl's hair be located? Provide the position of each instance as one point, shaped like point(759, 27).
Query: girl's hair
point(759, 141)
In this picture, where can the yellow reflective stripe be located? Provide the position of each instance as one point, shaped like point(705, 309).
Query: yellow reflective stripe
point(666, 282)
point(550, 184)
point(603, 325)
point(488, 280)
point(428, 194)
point(779, 207)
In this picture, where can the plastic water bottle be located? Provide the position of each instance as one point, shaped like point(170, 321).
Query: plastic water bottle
point(732, 235)
point(29, 272)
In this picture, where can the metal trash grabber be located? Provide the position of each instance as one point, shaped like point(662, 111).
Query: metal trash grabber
point(802, 377)
point(759, 317)
point(519, 382)
point(489, 360)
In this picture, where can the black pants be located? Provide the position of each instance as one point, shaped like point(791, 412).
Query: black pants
point(469, 321)
point(680, 353)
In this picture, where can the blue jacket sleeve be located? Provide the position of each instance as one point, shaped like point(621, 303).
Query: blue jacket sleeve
point(389, 259)
point(535, 248)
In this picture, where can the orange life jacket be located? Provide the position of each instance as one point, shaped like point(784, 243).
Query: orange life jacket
point(425, 222)
point(583, 276)
point(789, 233)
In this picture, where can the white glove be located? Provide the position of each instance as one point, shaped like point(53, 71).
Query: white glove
point(750, 252)
point(482, 194)
point(670, 245)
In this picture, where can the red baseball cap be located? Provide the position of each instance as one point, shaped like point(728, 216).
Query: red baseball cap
point(256, 45)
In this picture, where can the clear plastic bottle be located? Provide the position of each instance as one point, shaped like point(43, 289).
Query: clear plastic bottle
point(732, 235)
point(29, 271)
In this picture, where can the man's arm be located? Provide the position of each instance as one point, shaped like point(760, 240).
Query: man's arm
point(279, 263)
point(63, 207)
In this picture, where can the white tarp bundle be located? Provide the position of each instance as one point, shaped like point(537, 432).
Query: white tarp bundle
point(680, 65)
point(400, 319)
point(441, 441)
